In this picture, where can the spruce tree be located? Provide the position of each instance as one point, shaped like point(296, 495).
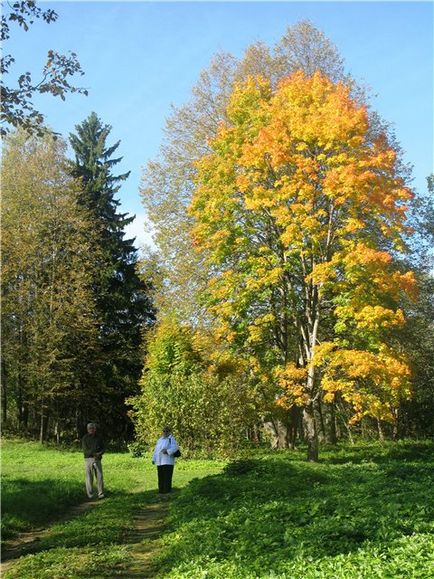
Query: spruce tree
point(121, 299)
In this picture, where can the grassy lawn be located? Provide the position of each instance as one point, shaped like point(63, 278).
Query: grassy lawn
point(362, 512)
point(39, 484)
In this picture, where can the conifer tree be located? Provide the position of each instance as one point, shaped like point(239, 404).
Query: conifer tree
point(122, 304)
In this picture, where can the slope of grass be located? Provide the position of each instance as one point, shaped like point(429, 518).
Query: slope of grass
point(362, 512)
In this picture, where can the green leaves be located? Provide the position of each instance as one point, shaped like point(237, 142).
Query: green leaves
point(274, 515)
point(186, 384)
point(17, 109)
point(48, 313)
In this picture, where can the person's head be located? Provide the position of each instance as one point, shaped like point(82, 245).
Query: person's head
point(167, 431)
point(91, 428)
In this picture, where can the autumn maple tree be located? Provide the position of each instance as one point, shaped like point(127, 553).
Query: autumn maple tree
point(300, 208)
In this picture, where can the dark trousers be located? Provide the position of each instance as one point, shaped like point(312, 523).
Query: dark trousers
point(165, 473)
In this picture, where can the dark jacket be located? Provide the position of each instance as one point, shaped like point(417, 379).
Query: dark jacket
point(92, 445)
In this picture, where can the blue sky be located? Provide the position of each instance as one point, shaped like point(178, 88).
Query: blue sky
point(139, 57)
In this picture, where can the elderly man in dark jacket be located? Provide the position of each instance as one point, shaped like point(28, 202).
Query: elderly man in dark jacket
point(93, 448)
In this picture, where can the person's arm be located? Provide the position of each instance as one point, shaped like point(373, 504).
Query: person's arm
point(173, 446)
point(100, 448)
point(86, 447)
point(154, 456)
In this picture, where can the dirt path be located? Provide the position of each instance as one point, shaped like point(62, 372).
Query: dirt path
point(144, 541)
point(28, 542)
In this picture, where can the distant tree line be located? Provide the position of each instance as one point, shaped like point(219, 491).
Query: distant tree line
point(74, 308)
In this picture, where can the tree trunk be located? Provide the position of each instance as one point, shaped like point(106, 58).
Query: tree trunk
point(292, 431)
point(43, 423)
point(347, 428)
point(331, 419)
point(23, 412)
point(310, 432)
point(57, 431)
point(275, 428)
point(319, 420)
point(380, 431)
point(395, 425)
point(77, 423)
point(4, 393)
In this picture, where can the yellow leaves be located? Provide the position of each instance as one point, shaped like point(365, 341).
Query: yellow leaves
point(243, 182)
point(247, 98)
point(363, 254)
point(332, 386)
point(290, 236)
point(375, 317)
point(407, 283)
point(284, 149)
point(301, 147)
point(257, 330)
point(294, 189)
point(320, 111)
point(255, 334)
point(371, 382)
point(292, 381)
point(323, 352)
point(264, 277)
point(352, 225)
point(322, 273)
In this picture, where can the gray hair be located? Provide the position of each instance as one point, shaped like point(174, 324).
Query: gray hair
point(91, 425)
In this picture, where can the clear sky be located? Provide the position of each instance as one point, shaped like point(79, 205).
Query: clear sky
point(139, 57)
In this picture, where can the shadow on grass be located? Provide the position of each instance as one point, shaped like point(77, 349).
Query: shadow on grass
point(108, 522)
point(32, 503)
point(272, 510)
point(380, 453)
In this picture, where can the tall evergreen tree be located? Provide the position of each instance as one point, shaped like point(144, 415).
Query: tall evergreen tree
point(121, 299)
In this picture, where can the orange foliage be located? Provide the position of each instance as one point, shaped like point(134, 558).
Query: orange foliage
point(294, 188)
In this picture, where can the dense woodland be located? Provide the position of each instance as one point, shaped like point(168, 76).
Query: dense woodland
point(287, 300)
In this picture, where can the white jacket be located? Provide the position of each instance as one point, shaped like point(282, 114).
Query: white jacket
point(165, 443)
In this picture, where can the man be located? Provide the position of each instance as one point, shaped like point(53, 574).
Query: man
point(93, 448)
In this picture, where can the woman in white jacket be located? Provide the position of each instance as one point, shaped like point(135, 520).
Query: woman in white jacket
point(163, 457)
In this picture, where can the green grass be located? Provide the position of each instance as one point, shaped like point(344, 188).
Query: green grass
point(38, 486)
point(363, 512)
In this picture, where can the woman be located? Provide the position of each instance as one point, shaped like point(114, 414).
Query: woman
point(163, 457)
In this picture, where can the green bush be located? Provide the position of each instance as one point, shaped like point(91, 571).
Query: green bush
point(204, 403)
point(137, 449)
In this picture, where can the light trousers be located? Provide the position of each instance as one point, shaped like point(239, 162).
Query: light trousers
point(93, 467)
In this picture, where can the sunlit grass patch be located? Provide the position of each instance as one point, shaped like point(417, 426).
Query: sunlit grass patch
point(67, 563)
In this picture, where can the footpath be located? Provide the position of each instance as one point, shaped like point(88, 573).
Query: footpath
point(144, 541)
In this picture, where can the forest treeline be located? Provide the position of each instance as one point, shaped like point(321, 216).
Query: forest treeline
point(288, 296)
point(74, 307)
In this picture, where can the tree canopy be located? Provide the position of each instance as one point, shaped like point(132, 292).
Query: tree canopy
point(299, 211)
